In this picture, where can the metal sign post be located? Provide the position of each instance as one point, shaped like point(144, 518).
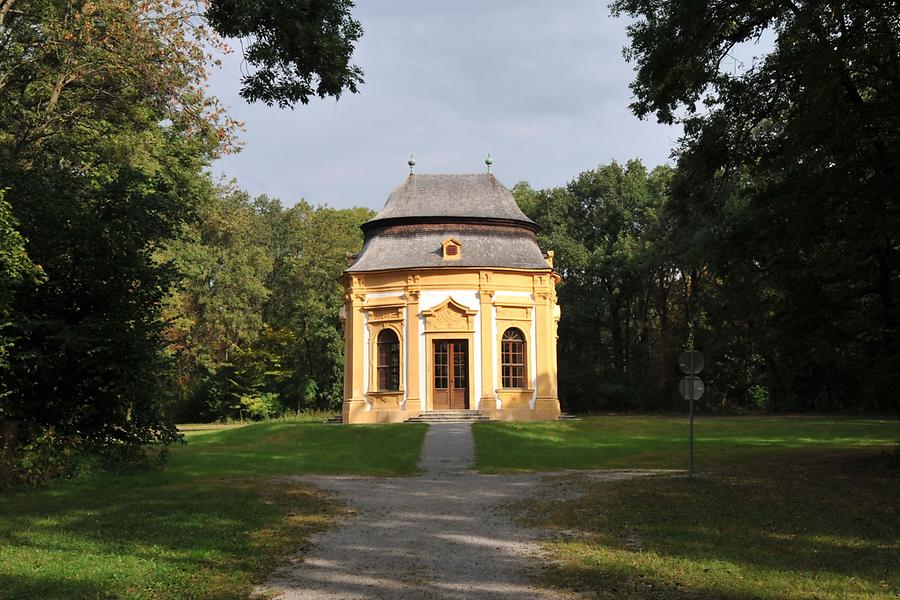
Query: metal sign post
point(691, 388)
point(691, 434)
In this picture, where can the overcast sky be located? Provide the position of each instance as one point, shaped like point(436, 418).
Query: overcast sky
point(541, 86)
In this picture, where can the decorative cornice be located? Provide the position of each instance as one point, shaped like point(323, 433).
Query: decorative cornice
point(371, 227)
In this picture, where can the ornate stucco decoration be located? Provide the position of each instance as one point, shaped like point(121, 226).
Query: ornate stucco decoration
point(449, 315)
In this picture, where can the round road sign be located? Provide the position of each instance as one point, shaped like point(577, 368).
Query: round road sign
point(684, 387)
point(691, 362)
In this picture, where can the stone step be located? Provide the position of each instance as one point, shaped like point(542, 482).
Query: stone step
point(448, 422)
point(441, 419)
point(567, 417)
point(449, 416)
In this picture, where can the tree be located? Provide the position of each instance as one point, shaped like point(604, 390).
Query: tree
point(215, 313)
point(616, 334)
point(254, 322)
point(16, 269)
point(104, 131)
point(300, 48)
point(306, 296)
point(98, 71)
point(787, 180)
point(105, 128)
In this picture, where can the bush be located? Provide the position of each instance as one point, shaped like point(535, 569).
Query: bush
point(47, 454)
point(261, 406)
point(758, 396)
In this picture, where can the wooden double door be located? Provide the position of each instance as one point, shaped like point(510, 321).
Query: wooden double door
point(450, 379)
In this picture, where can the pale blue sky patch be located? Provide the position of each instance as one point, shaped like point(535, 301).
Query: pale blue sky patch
point(540, 85)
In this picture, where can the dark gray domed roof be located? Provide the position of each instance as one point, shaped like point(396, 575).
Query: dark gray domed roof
point(467, 197)
point(408, 248)
point(475, 210)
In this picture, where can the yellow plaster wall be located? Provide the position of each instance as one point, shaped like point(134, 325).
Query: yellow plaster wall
point(392, 299)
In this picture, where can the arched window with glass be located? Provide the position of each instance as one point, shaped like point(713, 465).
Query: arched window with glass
point(388, 361)
point(512, 358)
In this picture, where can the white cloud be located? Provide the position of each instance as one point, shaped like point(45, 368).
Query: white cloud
point(541, 86)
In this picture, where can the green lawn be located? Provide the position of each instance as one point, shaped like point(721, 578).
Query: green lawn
point(625, 442)
point(285, 448)
point(780, 508)
point(207, 526)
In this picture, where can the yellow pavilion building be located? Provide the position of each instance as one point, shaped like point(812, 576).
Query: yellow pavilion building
point(450, 306)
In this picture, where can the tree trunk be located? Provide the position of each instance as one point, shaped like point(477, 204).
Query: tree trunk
point(886, 293)
point(666, 351)
point(627, 339)
point(5, 5)
point(615, 328)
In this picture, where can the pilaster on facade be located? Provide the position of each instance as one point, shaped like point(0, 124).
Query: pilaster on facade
point(413, 362)
point(354, 323)
point(488, 400)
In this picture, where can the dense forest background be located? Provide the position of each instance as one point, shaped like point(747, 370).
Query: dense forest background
point(251, 324)
point(135, 291)
point(644, 277)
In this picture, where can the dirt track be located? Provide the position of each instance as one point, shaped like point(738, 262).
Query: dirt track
point(443, 534)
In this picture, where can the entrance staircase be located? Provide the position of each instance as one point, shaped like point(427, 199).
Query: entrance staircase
point(567, 417)
point(449, 416)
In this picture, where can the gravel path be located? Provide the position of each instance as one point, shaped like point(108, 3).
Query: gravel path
point(444, 534)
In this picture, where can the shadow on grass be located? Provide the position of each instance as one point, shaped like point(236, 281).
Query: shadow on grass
point(622, 581)
point(801, 524)
point(210, 524)
point(39, 586)
point(143, 537)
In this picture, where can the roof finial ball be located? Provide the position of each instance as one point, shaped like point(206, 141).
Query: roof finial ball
point(489, 161)
point(412, 163)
